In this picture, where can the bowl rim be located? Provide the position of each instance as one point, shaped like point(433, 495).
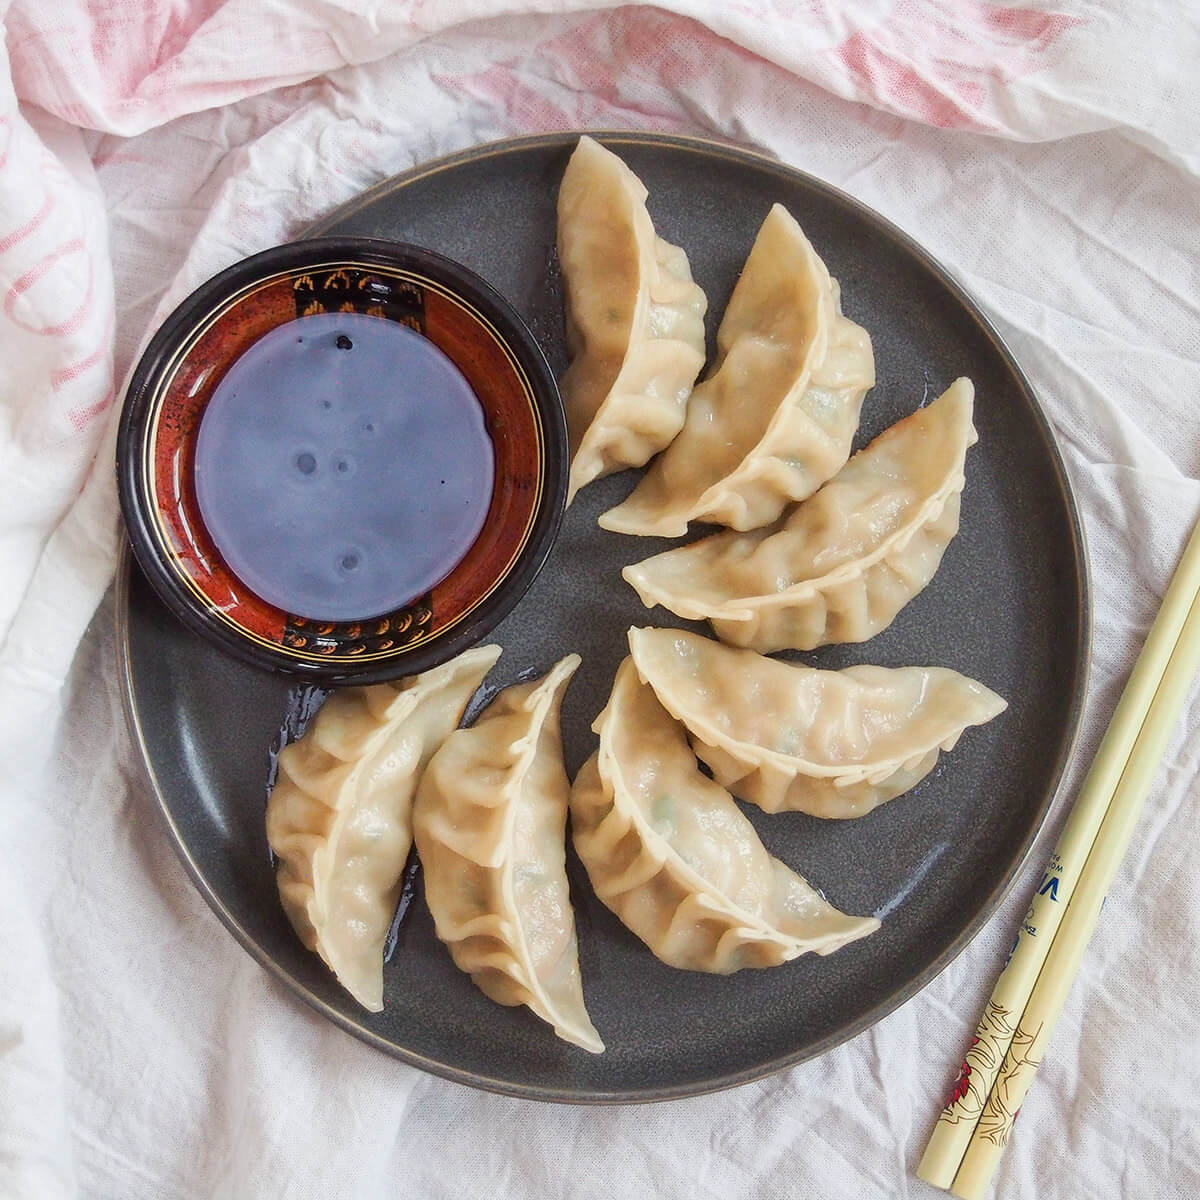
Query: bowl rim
point(136, 502)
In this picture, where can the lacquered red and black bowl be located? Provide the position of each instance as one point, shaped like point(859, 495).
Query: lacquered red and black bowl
point(466, 319)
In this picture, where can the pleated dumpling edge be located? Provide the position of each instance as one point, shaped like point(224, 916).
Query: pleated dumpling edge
point(339, 818)
point(671, 854)
point(635, 319)
point(839, 566)
point(776, 414)
point(788, 737)
point(490, 827)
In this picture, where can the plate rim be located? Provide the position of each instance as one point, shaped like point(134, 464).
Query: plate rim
point(1080, 572)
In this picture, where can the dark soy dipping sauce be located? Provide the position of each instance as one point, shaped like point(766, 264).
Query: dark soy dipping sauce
point(343, 466)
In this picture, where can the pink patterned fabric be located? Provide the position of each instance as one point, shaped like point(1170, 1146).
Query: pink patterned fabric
point(1046, 150)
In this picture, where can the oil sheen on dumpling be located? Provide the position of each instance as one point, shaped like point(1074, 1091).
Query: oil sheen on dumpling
point(777, 413)
point(490, 826)
point(670, 852)
point(791, 738)
point(339, 818)
point(839, 566)
point(635, 319)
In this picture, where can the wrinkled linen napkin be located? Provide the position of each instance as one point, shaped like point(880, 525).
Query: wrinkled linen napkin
point(1048, 152)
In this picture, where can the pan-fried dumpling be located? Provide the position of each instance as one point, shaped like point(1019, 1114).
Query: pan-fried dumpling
point(671, 854)
point(490, 826)
point(789, 737)
point(841, 565)
point(776, 415)
point(339, 816)
point(635, 319)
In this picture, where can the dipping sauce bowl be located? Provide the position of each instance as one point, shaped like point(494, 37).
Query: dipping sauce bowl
point(342, 458)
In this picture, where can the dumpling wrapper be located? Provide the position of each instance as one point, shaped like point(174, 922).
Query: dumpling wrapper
point(339, 818)
point(777, 413)
point(635, 319)
point(842, 564)
point(490, 826)
point(792, 738)
point(670, 852)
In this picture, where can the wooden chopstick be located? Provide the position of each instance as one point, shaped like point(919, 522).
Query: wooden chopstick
point(973, 1128)
point(1067, 950)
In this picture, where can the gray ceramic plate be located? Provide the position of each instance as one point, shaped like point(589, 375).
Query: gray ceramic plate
point(1009, 607)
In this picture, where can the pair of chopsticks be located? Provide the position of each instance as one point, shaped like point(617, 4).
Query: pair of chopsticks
point(974, 1127)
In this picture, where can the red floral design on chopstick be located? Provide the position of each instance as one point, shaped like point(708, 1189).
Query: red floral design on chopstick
point(963, 1082)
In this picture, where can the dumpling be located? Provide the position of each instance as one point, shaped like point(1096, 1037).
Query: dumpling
point(490, 826)
point(671, 854)
point(789, 737)
point(635, 319)
point(339, 816)
point(776, 415)
point(841, 565)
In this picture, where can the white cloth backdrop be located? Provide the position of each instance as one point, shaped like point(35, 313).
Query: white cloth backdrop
point(1048, 153)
